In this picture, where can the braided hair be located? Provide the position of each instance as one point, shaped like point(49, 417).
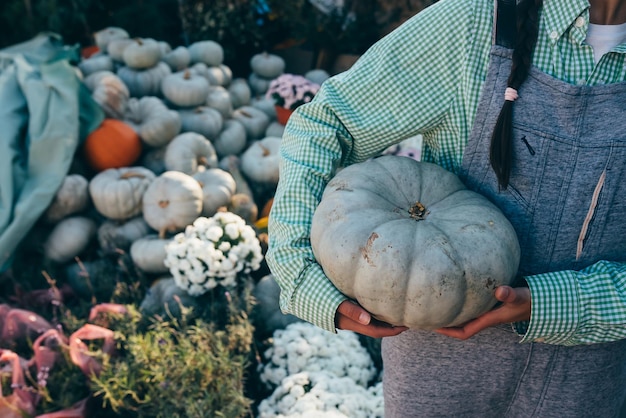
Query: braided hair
point(501, 149)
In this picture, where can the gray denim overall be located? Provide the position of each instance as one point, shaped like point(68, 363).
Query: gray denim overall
point(567, 202)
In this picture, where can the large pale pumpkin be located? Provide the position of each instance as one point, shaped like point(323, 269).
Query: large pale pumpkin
point(411, 244)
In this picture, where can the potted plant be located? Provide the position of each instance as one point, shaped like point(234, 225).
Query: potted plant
point(288, 91)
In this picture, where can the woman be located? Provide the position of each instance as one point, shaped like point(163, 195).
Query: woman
point(558, 172)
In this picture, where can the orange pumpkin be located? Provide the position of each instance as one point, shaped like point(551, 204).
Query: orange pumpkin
point(113, 144)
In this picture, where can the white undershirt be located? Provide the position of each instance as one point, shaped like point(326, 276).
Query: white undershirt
point(603, 38)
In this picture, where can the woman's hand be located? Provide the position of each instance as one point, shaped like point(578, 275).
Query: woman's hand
point(515, 307)
point(352, 317)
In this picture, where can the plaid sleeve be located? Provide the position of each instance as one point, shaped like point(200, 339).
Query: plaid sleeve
point(402, 86)
point(573, 308)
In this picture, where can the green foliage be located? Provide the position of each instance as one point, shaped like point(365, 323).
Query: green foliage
point(348, 31)
point(20, 20)
point(178, 367)
point(240, 27)
point(77, 20)
point(65, 385)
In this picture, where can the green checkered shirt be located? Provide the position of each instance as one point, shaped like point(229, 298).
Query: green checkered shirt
point(426, 78)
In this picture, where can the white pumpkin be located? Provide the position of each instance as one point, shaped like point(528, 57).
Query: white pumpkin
point(254, 120)
point(203, 120)
point(200, 69)
point(240, 92)
point(219, 75)
point(185, 89)
point(258, 84)
point(96, 63)
point(412, 244)
point(146, 82)
point(189, 152)
point(110, 92)
point(148, 254)
point(232, 140)
point(267, 65)
point(153, 121)
point(69, 238)
point(265, 105)
point(114, 235)
point(178, 59)
point(117, 192)
point(142, 53)
point(275, 129)
point(164, 47)
point(71, 197)
point(317, 76)
point(218, 188)
point(171, 202)
point(165, 297)
point(115, 48)
point(218, 98)
point(210, 53)
point(106, 35)
point(259, 162)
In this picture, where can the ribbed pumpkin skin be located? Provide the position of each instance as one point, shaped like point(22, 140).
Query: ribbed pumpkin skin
point(425, 274)
point(113, 144)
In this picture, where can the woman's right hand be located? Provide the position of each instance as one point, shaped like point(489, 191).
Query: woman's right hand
point(352, 317)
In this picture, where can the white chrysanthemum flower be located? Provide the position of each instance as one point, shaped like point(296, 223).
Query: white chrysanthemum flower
point(214, 233)
point(321, 394)
point(224, 246)
point(213, 251)
point(303, 347)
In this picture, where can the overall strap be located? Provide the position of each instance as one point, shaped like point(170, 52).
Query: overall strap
point(506, 23)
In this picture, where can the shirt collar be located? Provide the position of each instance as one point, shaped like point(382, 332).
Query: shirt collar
point(559, 15)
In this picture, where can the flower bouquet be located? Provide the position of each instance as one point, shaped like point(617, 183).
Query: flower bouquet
point(288, 91)
point(213, 251)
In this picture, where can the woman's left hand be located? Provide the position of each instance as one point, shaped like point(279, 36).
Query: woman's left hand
point(515, 307)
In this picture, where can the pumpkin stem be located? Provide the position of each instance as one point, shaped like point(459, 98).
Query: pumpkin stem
point(187, 75)
point(164, 203)
point(418, 211)
point(266, 150)
point(162, 232)
point(203, 161)
point(130, 175)
point(139, 41)
point(244, 113)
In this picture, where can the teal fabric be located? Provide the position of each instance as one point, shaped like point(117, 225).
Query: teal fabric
point(45, 113)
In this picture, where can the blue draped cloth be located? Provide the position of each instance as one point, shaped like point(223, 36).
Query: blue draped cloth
point(45, 113)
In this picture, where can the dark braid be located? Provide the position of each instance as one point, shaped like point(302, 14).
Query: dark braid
point(501, 151)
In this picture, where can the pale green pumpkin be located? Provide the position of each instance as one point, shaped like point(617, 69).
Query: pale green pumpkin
point(411, 244)
point(154, 122)
point(189, 153)
point(267, 65)
point(171, 202)
point(142, 53)
point(144, 82)
point(185, 89)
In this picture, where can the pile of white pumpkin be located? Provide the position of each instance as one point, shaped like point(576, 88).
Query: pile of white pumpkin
point(212, 144)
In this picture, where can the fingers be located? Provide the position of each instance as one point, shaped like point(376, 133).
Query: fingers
point(507, 294)
point(470, 328)
point(375, 329)
point(516, 307)
point(352, 317)
point(355, 312)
